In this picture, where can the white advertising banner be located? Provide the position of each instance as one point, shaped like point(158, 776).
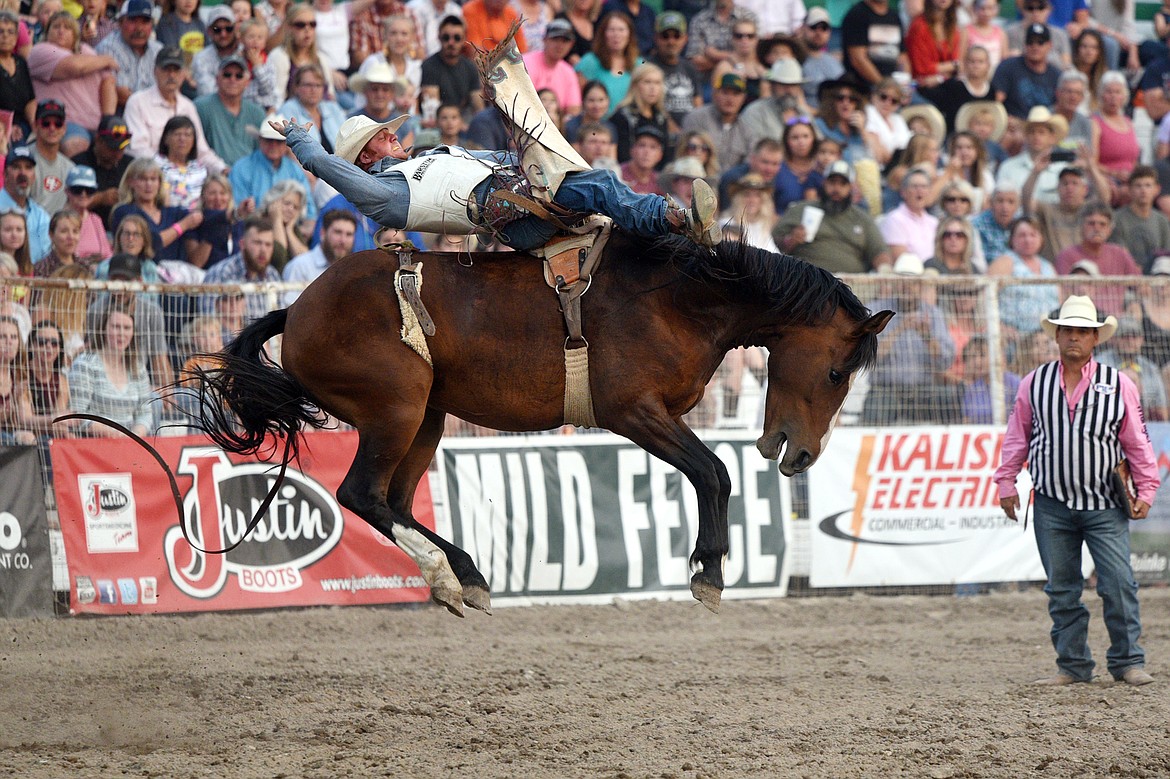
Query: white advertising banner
point(915, 506)
point(585, 518)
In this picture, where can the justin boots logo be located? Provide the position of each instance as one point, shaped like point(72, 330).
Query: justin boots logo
point(301, 525)
point(111, 519)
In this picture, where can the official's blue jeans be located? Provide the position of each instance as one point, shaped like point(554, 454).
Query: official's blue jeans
point(1060, 532)
point(591, 191)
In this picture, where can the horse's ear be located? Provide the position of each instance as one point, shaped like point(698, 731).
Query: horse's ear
point(875, 324)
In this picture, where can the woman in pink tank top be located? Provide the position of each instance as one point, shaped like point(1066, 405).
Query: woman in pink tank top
point(1115, 143)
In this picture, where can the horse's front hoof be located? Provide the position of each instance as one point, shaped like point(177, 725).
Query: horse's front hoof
point(706, 593)
point(478, 598)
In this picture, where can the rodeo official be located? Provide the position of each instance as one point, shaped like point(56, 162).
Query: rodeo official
point(1073, 421)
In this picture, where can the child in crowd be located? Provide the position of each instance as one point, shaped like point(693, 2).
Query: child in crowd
point(242, 10)
point(450, 125)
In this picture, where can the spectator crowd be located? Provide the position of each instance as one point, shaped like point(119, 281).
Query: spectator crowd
point(936, 137)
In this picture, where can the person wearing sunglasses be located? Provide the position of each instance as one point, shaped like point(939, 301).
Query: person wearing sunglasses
point(48, 384)
point(711, 34)
point(51, 165)
point(134, 48)
point(454, 74)
point(954, 246)
point(841, 117)
point(684, 87)
point(820, 65)
point(1039, 12)
point(93, 244)
point(68, 72)
point(720, 121)
point(148, 112)
point(1029, 80)
point(299, 48)
point(744, 62)
point(882, 118)
point(226, 112)
point(224, 40)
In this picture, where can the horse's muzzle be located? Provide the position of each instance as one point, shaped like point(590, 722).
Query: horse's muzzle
point(771, 447)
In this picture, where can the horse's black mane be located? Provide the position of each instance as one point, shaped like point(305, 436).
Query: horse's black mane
point(798, 291)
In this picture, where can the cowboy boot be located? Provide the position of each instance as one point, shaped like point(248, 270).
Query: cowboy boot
point(699, 223)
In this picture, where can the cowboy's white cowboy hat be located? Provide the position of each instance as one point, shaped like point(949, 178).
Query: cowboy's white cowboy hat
point(1079, 311)
point(357, 132)
point(378, 73)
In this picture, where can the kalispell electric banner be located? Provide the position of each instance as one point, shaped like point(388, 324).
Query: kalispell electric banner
point(127, 554)
point(585, 518)
point(915, 506)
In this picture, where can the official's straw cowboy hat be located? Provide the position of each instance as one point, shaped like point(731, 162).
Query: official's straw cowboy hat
point(357, 132)
point(1079, 311)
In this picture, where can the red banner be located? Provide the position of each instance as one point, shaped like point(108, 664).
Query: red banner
point(127, 555)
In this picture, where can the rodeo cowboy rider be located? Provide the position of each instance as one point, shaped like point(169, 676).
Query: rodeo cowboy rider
point(450, 189)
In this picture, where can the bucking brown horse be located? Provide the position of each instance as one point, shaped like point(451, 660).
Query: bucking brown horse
point(659, 318)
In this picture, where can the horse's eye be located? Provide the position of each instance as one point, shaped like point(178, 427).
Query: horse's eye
point(836, 378)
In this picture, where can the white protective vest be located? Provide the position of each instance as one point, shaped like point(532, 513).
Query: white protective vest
point(440, 187)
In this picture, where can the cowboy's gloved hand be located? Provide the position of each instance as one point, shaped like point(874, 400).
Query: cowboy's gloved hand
point(284, 126)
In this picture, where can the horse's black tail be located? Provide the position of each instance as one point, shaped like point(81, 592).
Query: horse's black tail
point(246, 401)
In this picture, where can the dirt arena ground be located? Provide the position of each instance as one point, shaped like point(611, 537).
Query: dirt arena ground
point(814, 687)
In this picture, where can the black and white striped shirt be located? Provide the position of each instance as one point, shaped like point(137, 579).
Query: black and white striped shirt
point(1071, 457)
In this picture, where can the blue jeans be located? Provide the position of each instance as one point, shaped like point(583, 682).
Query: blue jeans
point(591, 191)
point(1060, 532)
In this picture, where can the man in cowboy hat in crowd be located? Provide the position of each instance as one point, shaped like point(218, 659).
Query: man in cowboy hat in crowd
point(1073, 421)
point(766, 117)
point(449, 189)
point(1042, 132)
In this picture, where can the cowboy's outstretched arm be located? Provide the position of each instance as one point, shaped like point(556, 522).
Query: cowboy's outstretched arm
point(384, 198)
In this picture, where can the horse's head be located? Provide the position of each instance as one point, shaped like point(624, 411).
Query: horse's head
point(810, 371)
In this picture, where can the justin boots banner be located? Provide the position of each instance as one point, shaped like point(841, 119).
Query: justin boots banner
point(126, 551)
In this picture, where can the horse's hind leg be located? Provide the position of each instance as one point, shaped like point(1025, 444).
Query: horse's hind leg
point(403, 485)
point(364, 490)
